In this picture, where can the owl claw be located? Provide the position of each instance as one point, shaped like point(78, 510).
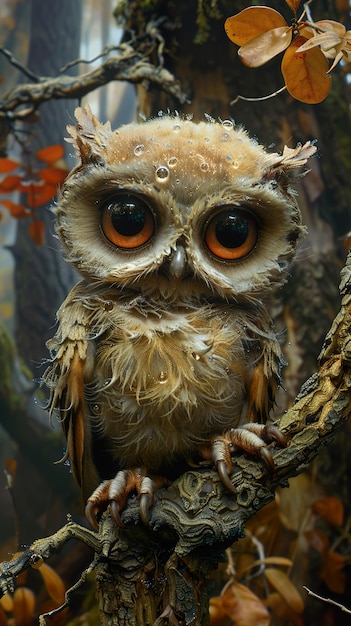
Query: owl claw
point(222, 470)
point(91, 512)
point(114, 508)
point(252, 438)
point(115, 493)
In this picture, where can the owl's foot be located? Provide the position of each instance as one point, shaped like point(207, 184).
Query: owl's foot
point(252, 438)
point(116, 491)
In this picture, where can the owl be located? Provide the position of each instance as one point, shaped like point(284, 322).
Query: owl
point(165, 354)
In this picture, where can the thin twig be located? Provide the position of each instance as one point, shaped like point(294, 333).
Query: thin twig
point(328, 600)
point(24, 70)
point(259, 99)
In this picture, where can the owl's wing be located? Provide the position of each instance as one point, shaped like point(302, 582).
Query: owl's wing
point(66, 376)
point(264, 380)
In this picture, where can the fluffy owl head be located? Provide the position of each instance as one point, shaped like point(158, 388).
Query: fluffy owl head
point(170, 202)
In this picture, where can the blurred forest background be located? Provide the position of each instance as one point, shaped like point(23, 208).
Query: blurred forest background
point(310, 522)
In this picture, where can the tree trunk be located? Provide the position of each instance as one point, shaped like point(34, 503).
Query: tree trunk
point(42, 278)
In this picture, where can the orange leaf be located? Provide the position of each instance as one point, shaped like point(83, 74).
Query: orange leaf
point(318, 540)
point(293, 4)
point(305, 73)
point(282, 610)
point(7, 602)
point(251, 23)
point(218, 616)
point(11, 466)
point(332, 572)
point(280, 581)
point(10, 183)
point(37, 232)
point(16, 210)
point(40, 194)
point(23, 606)
point(266, 46)
point(53, 583)
point(53, 175)
point(331, 509)
point(3, 617)
point(243, 606)
point(8, 165)
point(51, 153)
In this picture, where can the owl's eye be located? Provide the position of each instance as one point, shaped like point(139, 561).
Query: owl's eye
point(127, 221)
point(231, 234)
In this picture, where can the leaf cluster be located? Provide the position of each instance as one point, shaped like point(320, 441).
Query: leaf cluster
point(36, 180)
point(262, 33)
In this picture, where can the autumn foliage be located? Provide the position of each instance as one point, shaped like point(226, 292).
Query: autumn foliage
point(37, 185)
point(262, 33)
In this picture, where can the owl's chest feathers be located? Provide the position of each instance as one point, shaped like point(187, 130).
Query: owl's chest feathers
point(167, 381)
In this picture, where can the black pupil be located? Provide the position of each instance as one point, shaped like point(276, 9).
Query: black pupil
point(128, 216)
point(232, 231)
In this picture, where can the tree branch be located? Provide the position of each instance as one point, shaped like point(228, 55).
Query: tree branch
point(132, 63)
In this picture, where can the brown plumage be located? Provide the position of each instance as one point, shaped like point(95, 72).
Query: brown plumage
point(179, 230)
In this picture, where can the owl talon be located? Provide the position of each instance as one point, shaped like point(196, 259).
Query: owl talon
point(114, 508)
point(145, 504)
point(222, 470)
point(91, 512)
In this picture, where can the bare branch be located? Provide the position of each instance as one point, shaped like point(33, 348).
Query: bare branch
point(130, 64)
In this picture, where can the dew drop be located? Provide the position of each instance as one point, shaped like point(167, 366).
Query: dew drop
point(225, 137)
point(108, 306)
point(176, 127)
point(172, 162)
point(204, 167)
point(227, 124)
point(162, 377)
point(96, 409)
point(138, 150)
point(162, 173)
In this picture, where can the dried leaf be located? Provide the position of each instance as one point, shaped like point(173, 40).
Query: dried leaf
point(331, 509)
point(8, 165)
point(243, 607)
point(11, 466)
point(293, 4)
point(282, 583)
point(282, 610)
point(3, 617)
point(37, 232)
point(272, 560)
point(10, 183)
point(318, 540)
point(7, 602)
point(252, 22)
point(333, 573)
point(23, 606)
point(50, 154)
point(218, 616)
point(53, 175)
point(305, 73)
point(266, 46)
point(53, 583)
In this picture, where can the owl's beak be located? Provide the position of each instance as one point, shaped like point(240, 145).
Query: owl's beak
point(177, 266)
